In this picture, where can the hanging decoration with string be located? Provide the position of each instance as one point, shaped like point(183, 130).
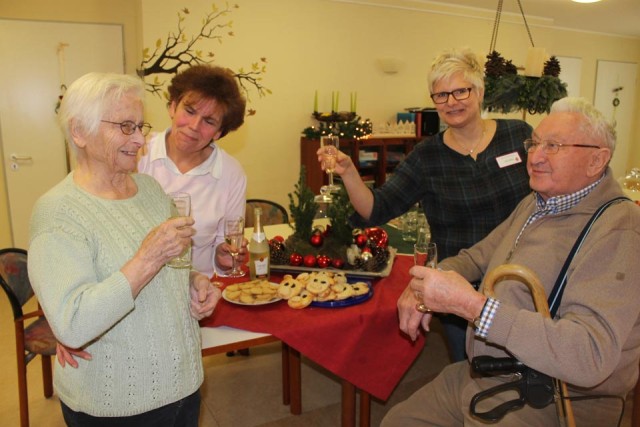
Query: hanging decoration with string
point(534, 91)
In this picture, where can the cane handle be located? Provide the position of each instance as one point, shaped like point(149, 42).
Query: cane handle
point(530, 279)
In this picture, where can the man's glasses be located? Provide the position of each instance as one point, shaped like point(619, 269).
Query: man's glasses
point(458, 95)
point(550, 147)
point(129, 128)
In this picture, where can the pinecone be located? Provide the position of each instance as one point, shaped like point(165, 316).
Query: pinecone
point(278, 253)
point(359, 263)
point(380, 259)
point(510, 68)
point(495, 65)
point(551, 67)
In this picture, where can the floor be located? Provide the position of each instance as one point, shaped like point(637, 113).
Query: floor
point(238, 391)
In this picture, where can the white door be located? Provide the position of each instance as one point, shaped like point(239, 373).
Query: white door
point(37, 58)
point(615, 97)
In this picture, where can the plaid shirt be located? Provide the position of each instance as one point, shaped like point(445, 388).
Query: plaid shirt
point(463, 199)
point(556, 204)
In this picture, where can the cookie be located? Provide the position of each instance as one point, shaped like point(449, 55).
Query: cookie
point(290, 287)
point(301, 301)
point(319, 283)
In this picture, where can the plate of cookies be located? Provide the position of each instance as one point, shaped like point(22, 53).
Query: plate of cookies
point(254, 292)
point(322, 289)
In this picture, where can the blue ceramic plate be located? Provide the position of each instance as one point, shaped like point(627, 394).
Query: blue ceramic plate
point(345, 302)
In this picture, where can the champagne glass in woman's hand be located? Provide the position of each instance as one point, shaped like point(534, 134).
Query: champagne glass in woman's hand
point(181, 206)
point(234, 236)
point(330, 145)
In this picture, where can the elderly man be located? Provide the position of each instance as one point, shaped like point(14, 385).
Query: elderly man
point(593, 343)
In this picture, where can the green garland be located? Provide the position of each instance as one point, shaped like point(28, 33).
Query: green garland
point(353, 129)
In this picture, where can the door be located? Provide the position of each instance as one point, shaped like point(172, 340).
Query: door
point(615, 97)
point(38, 58)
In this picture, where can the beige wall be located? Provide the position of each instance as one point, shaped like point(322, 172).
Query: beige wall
point(328, 46)
point(334, 46)
point(125, 12)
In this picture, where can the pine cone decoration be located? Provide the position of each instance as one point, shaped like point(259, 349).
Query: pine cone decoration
point(552, 67)
point(359, 263)
point(510, 68)
point(495, 65)
point(278, 254)
point(380, 259)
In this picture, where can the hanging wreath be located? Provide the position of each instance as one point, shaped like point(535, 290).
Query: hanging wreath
point(506, 91)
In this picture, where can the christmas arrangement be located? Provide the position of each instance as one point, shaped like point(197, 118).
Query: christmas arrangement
point(507, 91)
point(336, 246)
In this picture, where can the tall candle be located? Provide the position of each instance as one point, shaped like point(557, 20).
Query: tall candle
point(355, 102)
point(333, 101)
point(351, 101)
point(315, 102)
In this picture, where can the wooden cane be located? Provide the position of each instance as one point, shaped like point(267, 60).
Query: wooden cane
point(530, 279)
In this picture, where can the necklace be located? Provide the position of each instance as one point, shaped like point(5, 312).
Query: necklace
point(478, 142)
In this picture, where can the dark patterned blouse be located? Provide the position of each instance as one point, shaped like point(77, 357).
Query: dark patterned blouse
point(463, 198)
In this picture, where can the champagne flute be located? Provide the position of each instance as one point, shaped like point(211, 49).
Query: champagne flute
point(181, 206)
point(234, 235)
point(330, 145)
point(425, 254)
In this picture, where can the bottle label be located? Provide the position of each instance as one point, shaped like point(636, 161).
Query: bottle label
point(262, 267)
point(259, 237)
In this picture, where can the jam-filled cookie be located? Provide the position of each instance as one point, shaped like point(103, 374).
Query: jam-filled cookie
point(301, 301)
point(360, 288)
point(319, 284)
point(289, 287)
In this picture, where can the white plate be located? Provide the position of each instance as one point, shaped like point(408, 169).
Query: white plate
point(271, 301)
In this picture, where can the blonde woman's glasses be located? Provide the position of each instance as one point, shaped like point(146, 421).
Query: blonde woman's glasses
point(129, 128)
point(458, 95)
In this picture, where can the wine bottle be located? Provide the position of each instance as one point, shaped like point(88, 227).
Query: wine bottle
point(259, 263)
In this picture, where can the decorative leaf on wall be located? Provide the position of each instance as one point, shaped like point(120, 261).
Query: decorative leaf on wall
point(179, 50)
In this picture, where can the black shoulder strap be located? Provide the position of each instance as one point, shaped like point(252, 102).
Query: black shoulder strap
point(558, 289)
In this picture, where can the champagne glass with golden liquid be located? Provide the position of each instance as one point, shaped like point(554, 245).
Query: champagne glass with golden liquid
point(234, 235)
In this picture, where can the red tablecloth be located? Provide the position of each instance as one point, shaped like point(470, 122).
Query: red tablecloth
point(360, 343)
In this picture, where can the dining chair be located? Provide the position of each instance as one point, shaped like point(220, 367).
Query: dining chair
point(272, 212)
point(33, 333)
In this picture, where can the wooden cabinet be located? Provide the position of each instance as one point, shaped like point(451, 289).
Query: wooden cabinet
point(375, 158)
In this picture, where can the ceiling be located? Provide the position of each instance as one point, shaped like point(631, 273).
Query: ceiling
point(620, 17)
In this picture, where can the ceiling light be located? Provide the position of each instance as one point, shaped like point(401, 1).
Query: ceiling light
point(586, 1)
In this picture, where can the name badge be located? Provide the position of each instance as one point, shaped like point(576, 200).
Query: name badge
point(509, 159)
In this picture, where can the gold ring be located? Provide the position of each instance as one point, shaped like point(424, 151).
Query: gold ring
point(423, 308)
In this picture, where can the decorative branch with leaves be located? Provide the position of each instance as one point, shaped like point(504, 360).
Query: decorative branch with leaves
point(180, 50)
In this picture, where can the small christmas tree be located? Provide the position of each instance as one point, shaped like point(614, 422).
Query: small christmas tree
point(339, 212)
point(306, 208)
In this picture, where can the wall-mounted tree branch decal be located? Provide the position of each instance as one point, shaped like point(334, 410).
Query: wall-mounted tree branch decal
point(180, 50)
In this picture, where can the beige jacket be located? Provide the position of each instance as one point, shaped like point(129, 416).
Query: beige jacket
point(595, 344)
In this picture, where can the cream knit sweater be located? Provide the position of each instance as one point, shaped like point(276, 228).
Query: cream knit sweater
point(146, 352)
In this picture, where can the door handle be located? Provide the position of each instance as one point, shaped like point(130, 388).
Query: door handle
point(17, 158)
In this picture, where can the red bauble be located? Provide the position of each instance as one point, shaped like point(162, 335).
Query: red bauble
point(309, 260)
point(278, 239)
point(366, 254)
point(316, 240)
point(295, 259)
point(337, 263)
point(360, 240)
point(323, 261)
point(377, 236)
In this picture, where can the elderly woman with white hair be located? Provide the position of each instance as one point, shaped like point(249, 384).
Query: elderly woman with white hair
point(100, 241)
